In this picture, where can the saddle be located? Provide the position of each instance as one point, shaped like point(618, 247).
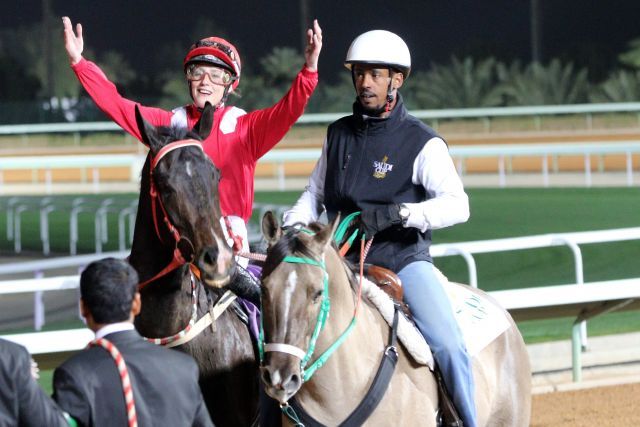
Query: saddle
point(389, 282)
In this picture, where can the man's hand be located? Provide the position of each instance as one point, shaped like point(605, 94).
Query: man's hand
point(379, 219)
point(74, 44)
point(314, 45)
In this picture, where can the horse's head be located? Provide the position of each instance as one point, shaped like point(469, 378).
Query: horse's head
point(184, 198)
point(295, 303)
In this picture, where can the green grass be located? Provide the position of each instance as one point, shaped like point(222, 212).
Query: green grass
point(46, 380)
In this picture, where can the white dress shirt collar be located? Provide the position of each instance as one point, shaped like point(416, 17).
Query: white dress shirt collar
point(114, 327)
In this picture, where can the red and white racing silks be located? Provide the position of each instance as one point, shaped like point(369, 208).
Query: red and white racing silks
point(238, 138)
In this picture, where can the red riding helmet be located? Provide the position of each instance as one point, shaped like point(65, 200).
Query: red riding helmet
point(216, 51)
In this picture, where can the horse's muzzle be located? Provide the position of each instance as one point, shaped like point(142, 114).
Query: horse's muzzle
point(216, 266)
point(280, 384)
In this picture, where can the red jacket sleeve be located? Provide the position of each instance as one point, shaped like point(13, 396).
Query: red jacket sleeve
point(263, 129)
point(121, 110)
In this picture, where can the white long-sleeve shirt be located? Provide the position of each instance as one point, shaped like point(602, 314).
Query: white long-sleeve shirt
point(433, 168)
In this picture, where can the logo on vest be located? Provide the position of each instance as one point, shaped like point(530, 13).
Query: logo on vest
point(380, 168)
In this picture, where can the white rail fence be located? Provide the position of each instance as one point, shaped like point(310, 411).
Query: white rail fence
point(89, 165)
point(573, 299)
point(100, 209)
point(535, 112)
point(504, 153)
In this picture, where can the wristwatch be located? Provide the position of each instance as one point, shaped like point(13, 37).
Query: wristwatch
point(404, 213)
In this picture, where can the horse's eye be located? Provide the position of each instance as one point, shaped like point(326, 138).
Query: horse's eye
point(316, 296)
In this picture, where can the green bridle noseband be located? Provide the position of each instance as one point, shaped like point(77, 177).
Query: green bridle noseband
point(320, 323)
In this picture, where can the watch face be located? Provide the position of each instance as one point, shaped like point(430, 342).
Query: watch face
point(404, 212)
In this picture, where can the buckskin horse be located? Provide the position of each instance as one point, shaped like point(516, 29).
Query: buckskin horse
point(181, 255)
point(309, 299)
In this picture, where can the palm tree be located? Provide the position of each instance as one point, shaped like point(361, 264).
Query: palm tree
point(460, 84)
point(622, 86)
point(537, 84)
point(632, 56)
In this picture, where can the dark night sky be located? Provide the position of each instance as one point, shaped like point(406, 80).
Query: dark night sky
point(590, 32)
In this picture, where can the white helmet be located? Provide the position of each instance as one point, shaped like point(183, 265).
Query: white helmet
point(380, 47)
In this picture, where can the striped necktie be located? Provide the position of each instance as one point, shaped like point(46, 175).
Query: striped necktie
point(124, 377)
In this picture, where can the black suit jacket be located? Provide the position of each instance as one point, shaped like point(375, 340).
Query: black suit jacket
point(165, 385)
point(22, 401)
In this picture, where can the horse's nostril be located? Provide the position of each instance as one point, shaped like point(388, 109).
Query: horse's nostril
point(210, 256)
point(294, 382)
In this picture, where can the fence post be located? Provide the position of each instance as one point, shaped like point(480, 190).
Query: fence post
point(38, 306)
point(501, 173)
point(577, 257)
point(587, 169)
point(629, 169)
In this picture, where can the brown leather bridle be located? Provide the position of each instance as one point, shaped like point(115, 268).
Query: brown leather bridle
point(183, 252)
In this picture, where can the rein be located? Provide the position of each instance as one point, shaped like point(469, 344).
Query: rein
point(182, 244)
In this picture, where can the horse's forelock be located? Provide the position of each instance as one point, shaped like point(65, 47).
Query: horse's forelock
point(289, 244)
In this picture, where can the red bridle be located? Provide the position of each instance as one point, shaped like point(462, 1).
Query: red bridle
point(182, 244)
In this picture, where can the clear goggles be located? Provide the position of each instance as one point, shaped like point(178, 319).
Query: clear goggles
point(218, 76)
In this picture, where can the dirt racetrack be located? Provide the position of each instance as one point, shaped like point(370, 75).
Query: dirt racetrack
point(592, 407)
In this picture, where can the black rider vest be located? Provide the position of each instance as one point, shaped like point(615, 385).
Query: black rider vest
point(369, 164)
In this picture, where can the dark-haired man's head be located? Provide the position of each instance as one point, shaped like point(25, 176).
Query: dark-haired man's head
point(109, 292)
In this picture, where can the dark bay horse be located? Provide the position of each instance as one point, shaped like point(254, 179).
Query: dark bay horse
point(309, 298)
point(181, 255)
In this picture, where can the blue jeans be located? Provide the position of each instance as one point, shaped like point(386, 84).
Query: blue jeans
point(433, 314)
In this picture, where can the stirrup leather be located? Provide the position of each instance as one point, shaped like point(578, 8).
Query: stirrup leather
point(447, 414)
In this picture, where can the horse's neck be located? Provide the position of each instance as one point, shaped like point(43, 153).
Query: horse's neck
point(360, 353)
point(340, 292)
point(148, 254)
point(166, 303)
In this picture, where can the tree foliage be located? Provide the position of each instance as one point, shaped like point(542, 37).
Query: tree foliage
point(463, 82)
point(622, 86)
point(631, 57)
point(538, 84)
point(460, 84)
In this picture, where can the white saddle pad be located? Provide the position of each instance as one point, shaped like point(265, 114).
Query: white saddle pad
point(479, 319)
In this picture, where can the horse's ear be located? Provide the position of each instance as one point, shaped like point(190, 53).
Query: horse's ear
point(324, 237)
point(205, 124)
point(147, 131)
point(270, 228)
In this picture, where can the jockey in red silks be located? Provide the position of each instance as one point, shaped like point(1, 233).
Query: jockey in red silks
point(212, 69)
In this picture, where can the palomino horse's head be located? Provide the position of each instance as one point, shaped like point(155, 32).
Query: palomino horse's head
point(294, 303)
point(184, 198)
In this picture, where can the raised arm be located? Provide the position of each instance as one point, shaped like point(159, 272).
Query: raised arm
point(265, 128)
point(103, 92)
point(314, 46)
point(73, 43)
